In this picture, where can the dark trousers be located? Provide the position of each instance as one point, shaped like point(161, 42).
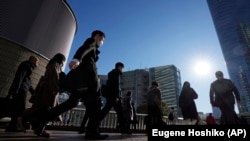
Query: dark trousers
point(39, 122)
point(127, 123)
point(87, 88)
point(118, 108)
point(228, 114)
point(93, 104)
point(84, 120)
point(154, 118)
point(18, 107)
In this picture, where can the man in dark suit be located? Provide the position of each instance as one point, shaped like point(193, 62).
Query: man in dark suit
point(84, 83)
point(113, 95)
point(222, 94)
point(21, 84)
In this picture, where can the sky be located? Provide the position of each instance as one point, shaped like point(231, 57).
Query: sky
point(147, 33)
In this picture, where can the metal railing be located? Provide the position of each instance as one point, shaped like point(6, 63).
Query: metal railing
point(72, 119)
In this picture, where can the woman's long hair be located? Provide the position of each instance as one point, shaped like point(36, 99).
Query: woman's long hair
point(59, 58)
point(186, 86)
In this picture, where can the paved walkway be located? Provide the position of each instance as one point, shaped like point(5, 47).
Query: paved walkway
point(65, 136)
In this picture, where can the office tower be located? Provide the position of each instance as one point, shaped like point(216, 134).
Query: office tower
point(136, 81)
point(169, 80)
point(232, 23)
point(33, 27)
point(139, 81)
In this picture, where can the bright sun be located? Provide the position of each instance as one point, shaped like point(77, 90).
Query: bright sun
point(202, 68)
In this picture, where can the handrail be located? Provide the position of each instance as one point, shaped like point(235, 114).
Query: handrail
point(73, 119)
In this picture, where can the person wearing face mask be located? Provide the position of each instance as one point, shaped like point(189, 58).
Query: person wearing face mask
point(222, 94)
point(85, 85)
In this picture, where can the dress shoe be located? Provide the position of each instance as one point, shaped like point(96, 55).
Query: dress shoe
point(20, 126)
point(43, 134)
point(96, 136)
point(81, 131)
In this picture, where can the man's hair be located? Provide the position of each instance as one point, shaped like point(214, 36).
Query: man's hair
point(186, 84)
point(119, 64)
point(129, 93)
point(219, 74)
point(155, 83)
point(97, 32)
point(33, 58)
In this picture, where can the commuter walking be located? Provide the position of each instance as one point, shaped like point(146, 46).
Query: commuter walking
point(127, 111)
point(19, 88)
point(113, 95)
point(222, 94)
point(172, 116)
point(46, 94)
point(154, 101)
point(187, 103)
point(83, 81)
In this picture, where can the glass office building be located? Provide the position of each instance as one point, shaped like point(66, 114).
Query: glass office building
point(232, 23)
point(139, 82)
point(169, 79)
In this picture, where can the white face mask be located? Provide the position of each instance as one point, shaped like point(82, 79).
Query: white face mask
point(100, 43)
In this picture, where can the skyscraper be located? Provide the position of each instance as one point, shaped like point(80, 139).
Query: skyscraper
point(137, 82)
point(169, 79)
point(232, 23)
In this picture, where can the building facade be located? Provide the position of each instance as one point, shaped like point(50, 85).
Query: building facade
point(136, 81)
point(41, 28)
point(169, 79)
point(139, 81)
point(232, 23)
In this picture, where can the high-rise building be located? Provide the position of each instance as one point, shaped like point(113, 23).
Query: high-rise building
point(232, 23)
point(33, 27)
point(136, 81)
point(139, 81)
point(169, 80)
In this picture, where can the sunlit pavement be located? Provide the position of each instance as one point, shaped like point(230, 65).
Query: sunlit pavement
point(64, 136)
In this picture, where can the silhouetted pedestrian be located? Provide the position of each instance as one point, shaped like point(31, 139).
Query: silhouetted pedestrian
point(113, 95)
point(127, 111)
point(172, 116)
point(83, 81)
point(46, 93)
point(222, 94)
point(154, 101)
point(187, 103)
point(18, 90)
